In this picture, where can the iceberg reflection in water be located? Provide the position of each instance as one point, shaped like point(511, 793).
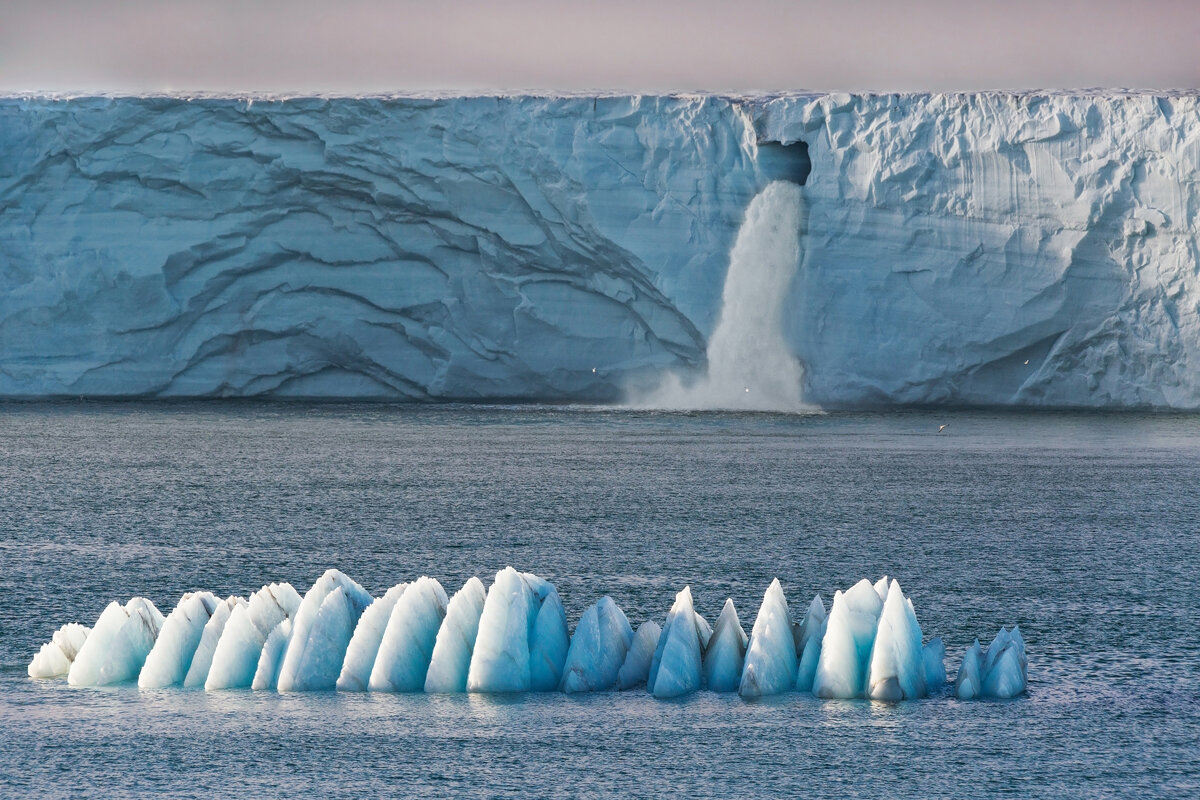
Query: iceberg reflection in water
point(514, 638)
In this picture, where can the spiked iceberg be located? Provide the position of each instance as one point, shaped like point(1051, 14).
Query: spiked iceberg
point(726, 652)
point(897, 665)
point(54, 659)
point(202, 659)
point(236, 657)
point(451, 658)
point(770, 666)
point(846, 647)
point(364, 644)
point(408, 640)
point(321, 632)
point(169, 659)
point(808, 644)
point(598, 648)
point(675, 669)
point(118, 645)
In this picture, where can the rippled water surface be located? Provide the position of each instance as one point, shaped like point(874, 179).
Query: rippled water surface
point(1082, 528)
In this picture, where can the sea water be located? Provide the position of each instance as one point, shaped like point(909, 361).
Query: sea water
point(1082, 528)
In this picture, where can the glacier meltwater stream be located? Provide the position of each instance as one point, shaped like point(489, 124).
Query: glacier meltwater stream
point(749, 364)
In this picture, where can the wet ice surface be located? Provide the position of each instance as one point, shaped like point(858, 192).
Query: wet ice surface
point(1081, 528)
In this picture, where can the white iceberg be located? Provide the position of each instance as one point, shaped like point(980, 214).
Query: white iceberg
point(770, 666)
point(897, 665)
point(847, 644)
point(171, 657)
point(236, 658)
point(636, 668)
point(407, 644)
point(675, 668)
point(321, 632)
point(266, 674)
point(500, 660)
point(364, 644)
point(116, 649)
point(451, 658)
point(54, 658)
point(548, 644)
point(726, 652)
point(1005, 666)
point(197, 673)
point(598, 648)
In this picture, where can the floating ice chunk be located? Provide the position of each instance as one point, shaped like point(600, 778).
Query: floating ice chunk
point(770, 666)
point(1005, 666)
point(968, 682)
point(500, 661)
point(55, 657)
point(809, 633)
point(846, 647)
point(321, 632)
point(548, 645)
point(197, 673)
point(408, 640)
point(364, 644)
point(451, 659)
point(934, 656)
point(897, 665)
point(675, 668)
point(169, 660)
point(704, 631)
point(236, 658)
point(598, 648)
point(116, 649)
point(726, 652)
point(266, 674)
point(636, 668)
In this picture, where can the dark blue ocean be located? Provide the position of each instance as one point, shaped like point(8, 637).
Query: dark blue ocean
point(1082, 528)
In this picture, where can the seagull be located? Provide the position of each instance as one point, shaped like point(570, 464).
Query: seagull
point(1027, 361)
point(942, 428)
point(594, 369)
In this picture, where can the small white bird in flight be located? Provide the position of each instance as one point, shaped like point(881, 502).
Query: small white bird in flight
point(942, 428)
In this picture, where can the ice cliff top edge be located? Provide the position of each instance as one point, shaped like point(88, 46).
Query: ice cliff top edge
point(514, 637)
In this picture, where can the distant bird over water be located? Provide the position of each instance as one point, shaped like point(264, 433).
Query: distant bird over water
point(942, 428)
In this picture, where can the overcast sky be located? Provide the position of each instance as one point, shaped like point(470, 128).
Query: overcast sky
point(377, 46)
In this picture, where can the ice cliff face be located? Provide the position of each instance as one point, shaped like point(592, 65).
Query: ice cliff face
point(572, 248)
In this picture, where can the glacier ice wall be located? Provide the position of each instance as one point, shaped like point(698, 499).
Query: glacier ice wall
point(1025, 249)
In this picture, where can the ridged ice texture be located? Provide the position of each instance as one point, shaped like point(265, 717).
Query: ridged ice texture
point(997, 248)
point(202, 659)
point(500, 659)
point(451, 658)
point(725, 653)
point(675, 668)
point(116, 649)
point(770, 665)
point(171, 657)
point(236, 657)
point(364, 644)
point(321, 631)
point(897, 666)
point(598, 648)
point(408, 639)
point(847, 643)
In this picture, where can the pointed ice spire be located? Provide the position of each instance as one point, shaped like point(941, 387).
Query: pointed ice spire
point(500, 661)
point(675, 668)
point(897, 665)
point(364, 644)
point(117, 647)
point(726, 652)
point(849, 639)
point(169, 660)
point(770, 666)
point(969, 680)
point(598, 648)
point(456, 640)
point(407, 644)
point(197, 672)
point(636, 668)
point(321, 631)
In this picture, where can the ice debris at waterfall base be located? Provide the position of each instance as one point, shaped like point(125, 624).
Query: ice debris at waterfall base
point(514, 637)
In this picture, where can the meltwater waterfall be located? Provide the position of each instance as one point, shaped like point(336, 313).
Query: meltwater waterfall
point(750, 366)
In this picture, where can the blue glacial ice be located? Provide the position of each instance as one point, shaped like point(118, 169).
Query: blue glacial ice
point(235, 659)
point(364, 644)
point(321, 631)
point(770, 666)
point(513, 637)
point(598, 648)
point(636, 669)
point(202, 659)
point(169, 659)
point(725, 652)
point(675, 668)
point(407, 645)
point(996, 248)
point(451, 658)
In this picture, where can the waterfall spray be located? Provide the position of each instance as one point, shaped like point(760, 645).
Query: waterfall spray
point(749, 364)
